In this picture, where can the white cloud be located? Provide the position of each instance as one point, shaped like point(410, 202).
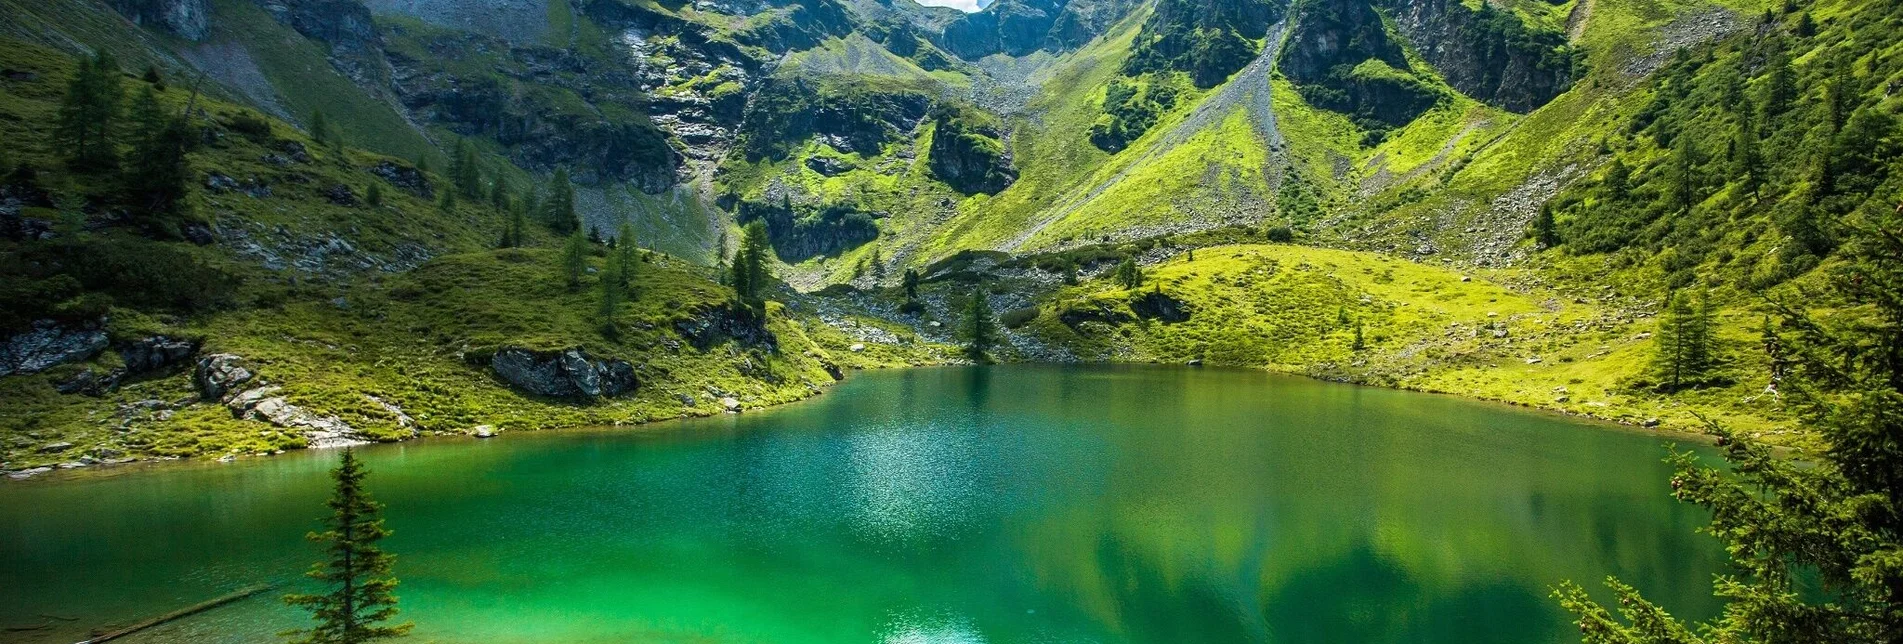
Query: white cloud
point(967, 6)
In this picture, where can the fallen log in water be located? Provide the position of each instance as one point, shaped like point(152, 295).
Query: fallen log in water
point(188, 611)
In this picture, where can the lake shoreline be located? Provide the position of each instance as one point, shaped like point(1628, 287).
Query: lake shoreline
point(53, 473)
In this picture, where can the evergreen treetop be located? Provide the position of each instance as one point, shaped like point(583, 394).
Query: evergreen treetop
point(359, 597)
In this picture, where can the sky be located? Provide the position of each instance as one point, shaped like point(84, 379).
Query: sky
point(966, 6)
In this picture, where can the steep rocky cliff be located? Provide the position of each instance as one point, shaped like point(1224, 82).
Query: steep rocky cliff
point(967, 153)
point(1487, 53)
point(1209, 39)
point(546, 106)
point(1020, 27)
point(188, 19)
point(1342, 58)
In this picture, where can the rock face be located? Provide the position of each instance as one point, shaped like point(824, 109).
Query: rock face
point(140, 357)
point(188, 19)
point(570, 373)
point(1019, 27)
point(155, 353)
point(225, 378)
point(345, 26)
point(1487, 53)
point(1154, 305)
point(801, 231)
point(407, 178)
point(849, 116)
point(50, 343)
point(1341, 59)
point(967, 154)
point(707, 327)
point(547, 107)
point(220, 374)
point(1209, 39)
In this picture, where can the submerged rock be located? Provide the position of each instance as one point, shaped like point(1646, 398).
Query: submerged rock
point(563, 374)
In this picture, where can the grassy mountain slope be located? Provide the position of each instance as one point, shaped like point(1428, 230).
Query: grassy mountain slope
point(380, 315)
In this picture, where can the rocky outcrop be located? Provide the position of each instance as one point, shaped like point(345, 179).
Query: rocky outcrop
point(1020, 27)
point(1489, 54)
point(547, 107)
point(226, 379)
point(406, 178)
point(1154, 305)
point(140, 357)
point(801, 231)
point(967, 154)
point(1209, 39)
point(344, 26)
point(156, 353)
point(50, 343)
point(710, 326)
point(1342, 58)
point(850, 116)
point(188, 19)
point(569, 373)
point(219, 375)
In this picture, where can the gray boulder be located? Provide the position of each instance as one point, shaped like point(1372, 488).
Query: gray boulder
point(49, 344)
point(155, 353)
point(570, 373)
point(219, 375)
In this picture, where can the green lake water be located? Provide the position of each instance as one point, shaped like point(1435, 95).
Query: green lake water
point(957, 505)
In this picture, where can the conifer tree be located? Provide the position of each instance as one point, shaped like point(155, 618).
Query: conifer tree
point(359, 597)
point(575, 258)
point(1814, 542)
point(750, 262)
point(1128, 274)
point(1780, 85)
point(558, 210)
point(1687, 346)
point(910, 282)
point(374, 196)
point(1361, 341)
point(629, 252)
point(88, 113)
point(1747, 163)
point(464, 172)
point(1545, 232)
point(320, 128)
point(499, 194)
point(980, 327)
point(1684, 176)
point(611, 287)
point(156, 174)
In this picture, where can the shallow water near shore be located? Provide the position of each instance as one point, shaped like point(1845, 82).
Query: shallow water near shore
point(990, 504)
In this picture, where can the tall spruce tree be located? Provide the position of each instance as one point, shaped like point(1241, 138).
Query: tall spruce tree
point(1815, 544)
point(156, 174)
point(558, 209)
point(750, 276)
point(465, 172)
point(575, 257)
point(359, 597)
point(980, 328)
point(89, 112)
point(629, 252)
point(1545, 231)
